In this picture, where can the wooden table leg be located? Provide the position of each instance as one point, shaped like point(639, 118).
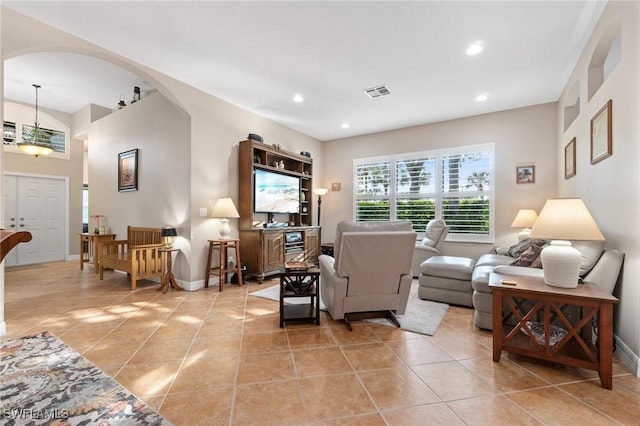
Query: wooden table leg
point(497, 324)
point(605, 345)
point(206, 275)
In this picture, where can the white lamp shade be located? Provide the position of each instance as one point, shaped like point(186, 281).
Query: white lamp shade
point(224, 209)
point(564, 219)
point(320, 191)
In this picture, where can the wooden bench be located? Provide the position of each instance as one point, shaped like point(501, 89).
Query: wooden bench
point(139, 255)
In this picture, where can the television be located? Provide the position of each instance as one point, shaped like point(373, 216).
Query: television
point(275, 192)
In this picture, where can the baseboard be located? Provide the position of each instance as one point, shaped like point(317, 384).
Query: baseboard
point(197, 285)
point(627, 356)
point(3, 328)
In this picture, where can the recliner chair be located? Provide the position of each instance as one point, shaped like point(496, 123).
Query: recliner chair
point(370, 271)
point(435, 234)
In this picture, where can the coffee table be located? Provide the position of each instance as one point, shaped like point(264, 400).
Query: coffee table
point(529, 318)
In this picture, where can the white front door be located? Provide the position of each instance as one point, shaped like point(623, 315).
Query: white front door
point(38, 207)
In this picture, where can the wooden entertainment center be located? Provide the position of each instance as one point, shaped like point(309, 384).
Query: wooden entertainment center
point(270, 239)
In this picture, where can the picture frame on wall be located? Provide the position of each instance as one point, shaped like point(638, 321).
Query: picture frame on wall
point(601, 140)
point(128, 171)
point(570, 159)
point(526, 174)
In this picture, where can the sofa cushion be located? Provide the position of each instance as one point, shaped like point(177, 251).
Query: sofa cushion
point(433, 232)
point(590, 251)
point(457, 268)
point(493, 260)
point(519, 248)
point(528, 256)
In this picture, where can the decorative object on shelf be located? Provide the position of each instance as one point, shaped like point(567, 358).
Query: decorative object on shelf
point(276, 145)
point(526, 174)
point(121, 103)
point(168, 232)
point(36, 147)
point(128, 171)
point(281, 165)
point(525, 220)
point(601, 141)
point(562, 220)
point(320, 192)
point(136, 94)
point(305, 153)
point(223, 210)
point(303, 197)
point(100, 224)
point(254, 137)
point(537, 328)
point(256, 159)
point(570, 159)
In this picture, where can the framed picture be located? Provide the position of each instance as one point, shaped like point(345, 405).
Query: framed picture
point(601, 144)
point(570, 159)
point(525, 174)
point(128, 171)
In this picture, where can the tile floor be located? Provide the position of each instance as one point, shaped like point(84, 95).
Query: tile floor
point(206, 358)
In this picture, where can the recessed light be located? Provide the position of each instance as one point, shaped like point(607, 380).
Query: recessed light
point(345, 125)
point(297, 98)
point(481, 98)
point(475, 48)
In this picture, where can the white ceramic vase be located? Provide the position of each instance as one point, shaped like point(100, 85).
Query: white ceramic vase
point(561, 264)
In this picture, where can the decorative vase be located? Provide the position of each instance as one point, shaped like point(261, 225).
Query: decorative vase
point(561, 264)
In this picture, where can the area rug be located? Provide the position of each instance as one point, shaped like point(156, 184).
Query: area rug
point(421, 316)
point(44, 381)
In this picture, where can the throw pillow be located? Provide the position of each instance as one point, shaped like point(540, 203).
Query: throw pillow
point(517, 249)
point(537, 263)
point(528, 256)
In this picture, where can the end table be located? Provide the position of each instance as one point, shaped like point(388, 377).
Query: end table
point(296, 283)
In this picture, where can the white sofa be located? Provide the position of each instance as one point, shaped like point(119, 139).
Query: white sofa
point(435, 233)
point(599, 266)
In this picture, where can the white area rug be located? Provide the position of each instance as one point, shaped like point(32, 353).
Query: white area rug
point(421, 316)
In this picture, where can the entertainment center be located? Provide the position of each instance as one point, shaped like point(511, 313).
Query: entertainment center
point(276, 220)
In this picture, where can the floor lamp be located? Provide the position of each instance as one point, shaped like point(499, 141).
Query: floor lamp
point(320, 192)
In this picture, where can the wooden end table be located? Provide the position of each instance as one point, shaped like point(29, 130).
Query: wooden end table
point(295, 283)
point(531, 304)
point(89, 248)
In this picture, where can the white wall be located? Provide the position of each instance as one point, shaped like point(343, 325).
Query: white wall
point(610, 187)
point(523, 135)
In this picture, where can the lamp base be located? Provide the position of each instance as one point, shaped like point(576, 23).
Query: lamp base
point(225, 230)
point(561, 264)
point(524, 234)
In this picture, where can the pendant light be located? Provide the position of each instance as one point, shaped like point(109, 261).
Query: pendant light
point(35, 147)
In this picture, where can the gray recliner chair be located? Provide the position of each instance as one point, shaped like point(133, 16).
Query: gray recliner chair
point(435, 234)
point(370, 271)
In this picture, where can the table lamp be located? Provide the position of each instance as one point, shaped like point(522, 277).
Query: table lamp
point(168, 232)
point(320, 192)
point(223, 210)
point(525, 220)
point(561, 220)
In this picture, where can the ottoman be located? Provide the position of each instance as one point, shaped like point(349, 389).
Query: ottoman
point(446, 279)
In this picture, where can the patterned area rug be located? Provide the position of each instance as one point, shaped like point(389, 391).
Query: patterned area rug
point(44, 381)
point(421, 316)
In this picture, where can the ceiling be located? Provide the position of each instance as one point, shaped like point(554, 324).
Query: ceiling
point(258, 55)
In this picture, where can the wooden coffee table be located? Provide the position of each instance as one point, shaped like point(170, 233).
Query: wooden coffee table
point(525, 317)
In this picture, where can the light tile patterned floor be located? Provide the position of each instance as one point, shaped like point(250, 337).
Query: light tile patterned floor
point(205, 358)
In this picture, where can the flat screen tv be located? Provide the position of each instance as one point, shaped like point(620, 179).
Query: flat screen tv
point(275, 193)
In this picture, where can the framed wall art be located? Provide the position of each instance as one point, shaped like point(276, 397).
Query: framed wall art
point(525, 174)
point(570, 159)
point(128, 171)
point(601, 143)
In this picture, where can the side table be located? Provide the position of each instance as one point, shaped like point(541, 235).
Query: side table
point(223, 268)
point(295, 284)
point(168, 278)
point(89, 248)
point(524, 313)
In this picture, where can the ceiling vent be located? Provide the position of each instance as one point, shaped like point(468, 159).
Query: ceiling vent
point(376, 92)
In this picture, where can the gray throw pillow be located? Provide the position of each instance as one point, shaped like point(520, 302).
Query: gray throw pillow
point(517, 249)
point(528, 257)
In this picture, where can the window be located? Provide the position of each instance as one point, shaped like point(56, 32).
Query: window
point(454, 184)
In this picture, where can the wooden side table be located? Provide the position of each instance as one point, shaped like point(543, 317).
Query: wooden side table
point(168, 279)
point(300, 283)
point(89, 248)
point(222, 269)
point(526, 313)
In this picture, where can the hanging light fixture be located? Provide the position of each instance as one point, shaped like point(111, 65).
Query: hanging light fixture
point(35, 147)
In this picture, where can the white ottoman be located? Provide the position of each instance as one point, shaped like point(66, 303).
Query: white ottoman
point(447, 279)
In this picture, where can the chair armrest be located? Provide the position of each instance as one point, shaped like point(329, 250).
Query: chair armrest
point(504, 251)
point(333, 288)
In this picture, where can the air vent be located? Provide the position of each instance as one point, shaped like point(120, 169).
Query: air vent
point(377, 91)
